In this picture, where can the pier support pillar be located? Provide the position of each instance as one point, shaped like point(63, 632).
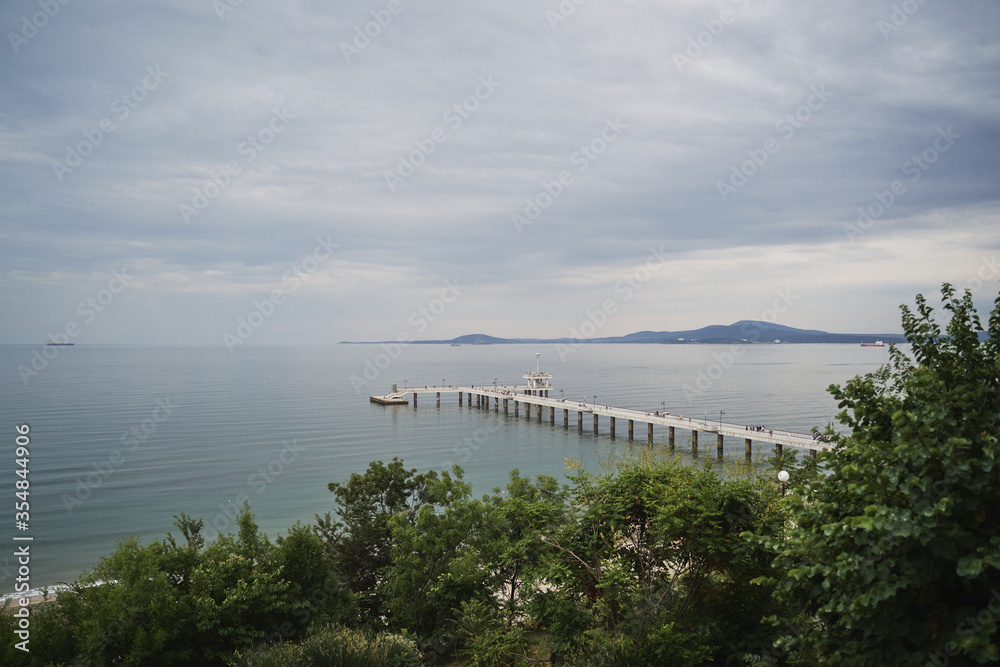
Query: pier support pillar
point(777, 449)
point(694, 441)
point(612, 427)
point(718, 445)
point(630, 425)
point(565, 417)
point(552, 415)
point(579, 420)
point(670, 435)
point(516, 406)
point(479, 401)
point(496, 404)
point(541, 409)
point(649, 433)
point(439, 399)
point(595, 422)
point(505, 406)
point(812, 453)
point(414, 399)
point(527, 410)
point(748, 445)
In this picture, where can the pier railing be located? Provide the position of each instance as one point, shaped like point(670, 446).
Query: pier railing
point(535, 396)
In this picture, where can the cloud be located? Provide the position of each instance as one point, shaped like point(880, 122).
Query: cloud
point(208, 126)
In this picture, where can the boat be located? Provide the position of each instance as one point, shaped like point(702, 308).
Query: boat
point(456, 345)
point(877, 343)
point(60, 344)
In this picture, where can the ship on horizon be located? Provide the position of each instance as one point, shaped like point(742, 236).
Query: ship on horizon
point(877, 343)
point(60, 344)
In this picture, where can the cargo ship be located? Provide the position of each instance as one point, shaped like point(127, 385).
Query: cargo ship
point(877, 343)
point(60, 344)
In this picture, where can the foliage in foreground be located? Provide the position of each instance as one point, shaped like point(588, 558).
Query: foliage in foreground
point(334, 646)
point(895, 555)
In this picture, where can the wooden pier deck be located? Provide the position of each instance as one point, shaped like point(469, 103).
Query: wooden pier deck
point(534, 397)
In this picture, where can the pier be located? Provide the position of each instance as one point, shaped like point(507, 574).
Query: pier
point(534, 397)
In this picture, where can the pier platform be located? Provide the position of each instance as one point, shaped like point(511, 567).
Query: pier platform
point(534, 397)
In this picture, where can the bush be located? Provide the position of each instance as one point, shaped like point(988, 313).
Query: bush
point(335, 646)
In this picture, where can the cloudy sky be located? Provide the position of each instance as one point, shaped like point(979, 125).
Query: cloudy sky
point(386, 168)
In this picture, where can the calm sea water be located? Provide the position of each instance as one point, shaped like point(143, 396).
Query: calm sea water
point(277, 424)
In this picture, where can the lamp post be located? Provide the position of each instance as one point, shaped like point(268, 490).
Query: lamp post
point(783, 478)
point(560, 393)
point(720, 419)
point(494, 384)
point(404, 384)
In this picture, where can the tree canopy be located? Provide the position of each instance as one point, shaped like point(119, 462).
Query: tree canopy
point(894, 553)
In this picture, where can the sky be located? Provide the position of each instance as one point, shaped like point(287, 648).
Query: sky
point(181, 172)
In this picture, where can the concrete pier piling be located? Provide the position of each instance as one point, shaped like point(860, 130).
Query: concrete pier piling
point(536, 392)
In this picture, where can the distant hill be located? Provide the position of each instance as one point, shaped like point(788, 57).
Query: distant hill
point(744, 331)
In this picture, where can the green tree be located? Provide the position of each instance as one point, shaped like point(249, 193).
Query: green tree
point(435, 565)
point(894, 554)
point(173, 602)
point(657, 566)
point(359, 543)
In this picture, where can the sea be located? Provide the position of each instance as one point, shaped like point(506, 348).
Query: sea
point(123, 438)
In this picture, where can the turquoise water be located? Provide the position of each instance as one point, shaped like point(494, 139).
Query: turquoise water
point(276, 425)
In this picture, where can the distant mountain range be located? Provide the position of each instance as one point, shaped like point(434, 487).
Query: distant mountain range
point(744, 331)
